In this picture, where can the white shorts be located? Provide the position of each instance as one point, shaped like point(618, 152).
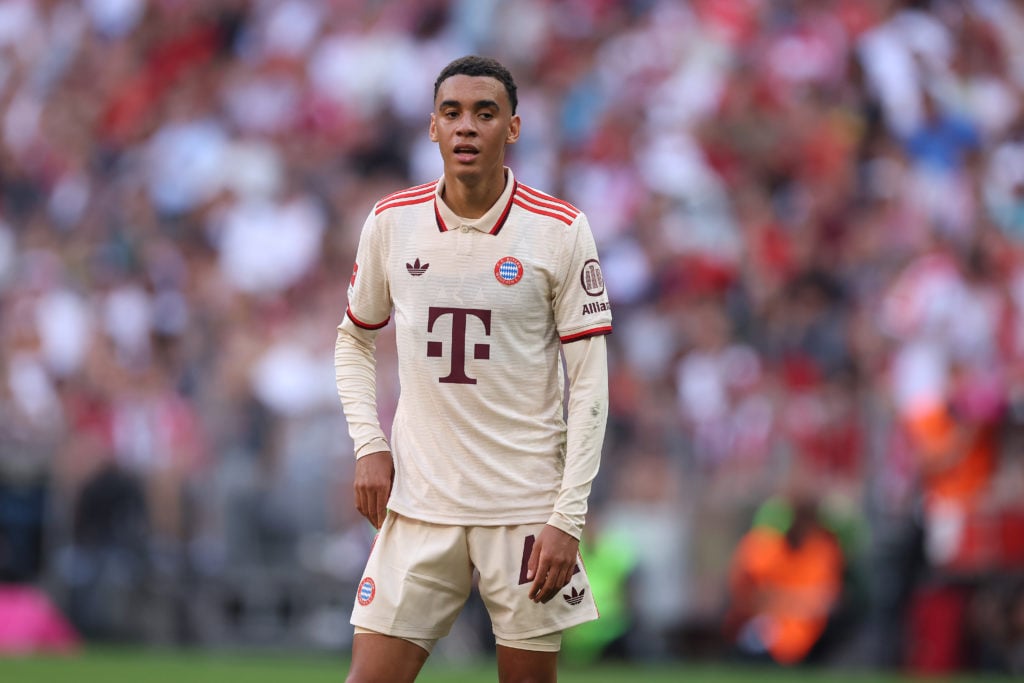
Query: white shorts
point(419, 576)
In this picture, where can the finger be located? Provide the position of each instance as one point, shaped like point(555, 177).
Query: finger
point(367, 512)
point(551, 588)
point(539, 583)
point(559, 581)
point(366, 504)
point(563, 581)
point(542, 584)
point(375, 507)
point(360, 497)
point(531, 566)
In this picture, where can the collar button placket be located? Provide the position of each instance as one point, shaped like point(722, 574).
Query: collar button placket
point(463, 243)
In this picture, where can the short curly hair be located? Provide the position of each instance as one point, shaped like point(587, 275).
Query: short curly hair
point(474, 65)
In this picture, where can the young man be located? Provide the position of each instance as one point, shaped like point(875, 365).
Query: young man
point(488, 280)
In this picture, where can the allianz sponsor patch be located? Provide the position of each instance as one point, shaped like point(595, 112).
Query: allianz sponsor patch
point(508, 270)
point(592, 278)
point(596, 307)
point(367, 589)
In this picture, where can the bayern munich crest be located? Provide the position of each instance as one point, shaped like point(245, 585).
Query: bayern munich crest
point(367, 589)
point(508, 270)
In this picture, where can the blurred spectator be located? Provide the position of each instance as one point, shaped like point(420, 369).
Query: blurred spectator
point(108, 563)
point(612, 569)
point(785, 588)
point(940, 148)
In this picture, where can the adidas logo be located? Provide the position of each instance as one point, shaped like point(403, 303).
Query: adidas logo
point(575, 598)
point(416, 269)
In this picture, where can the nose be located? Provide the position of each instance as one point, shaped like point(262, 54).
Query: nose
point(466, 125)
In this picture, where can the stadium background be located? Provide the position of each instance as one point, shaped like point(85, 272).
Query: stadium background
point(809, 214)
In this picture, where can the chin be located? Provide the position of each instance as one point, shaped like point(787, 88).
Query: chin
point(466, 173)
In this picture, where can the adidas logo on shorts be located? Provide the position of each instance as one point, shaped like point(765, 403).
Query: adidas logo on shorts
point(575, 598)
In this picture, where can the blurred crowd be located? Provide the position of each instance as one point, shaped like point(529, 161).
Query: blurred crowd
point(810, 215)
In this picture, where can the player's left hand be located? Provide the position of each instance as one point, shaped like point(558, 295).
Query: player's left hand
point(551, 563)
point(374, 477)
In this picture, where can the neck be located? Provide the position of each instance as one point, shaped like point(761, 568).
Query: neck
point(472, 199)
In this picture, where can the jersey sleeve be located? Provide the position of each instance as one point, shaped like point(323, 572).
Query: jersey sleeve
point(587, 366)
point(369, 293)
point(581, 305)
point(369, 309)
point(355, 372)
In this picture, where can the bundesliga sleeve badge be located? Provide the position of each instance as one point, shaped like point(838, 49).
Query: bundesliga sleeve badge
point(508, 270)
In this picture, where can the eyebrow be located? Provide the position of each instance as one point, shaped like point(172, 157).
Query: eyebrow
point(479, 104)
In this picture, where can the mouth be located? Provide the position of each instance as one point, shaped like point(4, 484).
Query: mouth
point(465, 153)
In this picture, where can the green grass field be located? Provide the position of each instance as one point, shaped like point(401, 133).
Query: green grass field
point(142, 666)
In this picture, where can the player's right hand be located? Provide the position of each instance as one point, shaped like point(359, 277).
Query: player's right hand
point(374, 476)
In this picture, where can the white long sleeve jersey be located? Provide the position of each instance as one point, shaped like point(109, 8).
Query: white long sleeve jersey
point(482, 309)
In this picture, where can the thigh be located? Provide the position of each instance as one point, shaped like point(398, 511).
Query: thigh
point(500, 554)
point(377, 658)
point(516, 665)
point(416, 580)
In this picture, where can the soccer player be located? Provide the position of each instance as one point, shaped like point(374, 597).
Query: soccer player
point(490, 283)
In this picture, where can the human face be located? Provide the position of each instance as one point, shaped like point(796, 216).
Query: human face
point(472, 122)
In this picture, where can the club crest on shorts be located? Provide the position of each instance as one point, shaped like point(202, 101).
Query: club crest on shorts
point(367, 589)
point(508, 270)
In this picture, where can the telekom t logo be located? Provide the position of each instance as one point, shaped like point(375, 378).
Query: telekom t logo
point(435, 349)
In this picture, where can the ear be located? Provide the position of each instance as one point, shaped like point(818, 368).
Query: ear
point(433, 128)
point(513, 130)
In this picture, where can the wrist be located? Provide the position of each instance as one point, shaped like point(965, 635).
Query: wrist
point(566, 525)
point(373, 446)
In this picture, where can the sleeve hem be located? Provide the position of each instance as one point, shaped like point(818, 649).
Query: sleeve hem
point(373, 446)
point(561, 522)
point(594, 332)
point(366, 326)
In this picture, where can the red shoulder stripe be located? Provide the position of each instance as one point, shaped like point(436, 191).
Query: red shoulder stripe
point(549, 206)
point(550, 214)
point(409, 190)
point(400, 202)
point(413, 195)
point(543, 196)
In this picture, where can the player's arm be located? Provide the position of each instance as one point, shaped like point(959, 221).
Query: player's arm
point(355, 371)
point(554, 554)
point(586, 362)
